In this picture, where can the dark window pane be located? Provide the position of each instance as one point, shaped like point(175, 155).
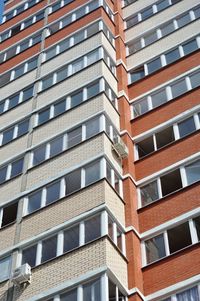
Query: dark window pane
point(193, 172)
point(32, 64)
point(15, 30)
point(23, 128)
point(119, 238)
point(5, 264)
point(49, 248)
point(92, 173)
point(92, 128)
point(141, 107)
point(183, 20)
point(71, 238)
point(137, 74)
point(74, 137)
point(17, 167)
point(50, 53)
point(56, 146)
point(91, 291)
point(159, 98)
point(145, 147)
point(179, 237)
point(3, 174)
point(28, 93)
point(24, 45)
point(61, 74)
point(19, 71)
point(186, 127)
point(64, 45)
point(162, 5)
point(76, 99)
point(44, 116)
point(93, 90)
point(165, 137)
point(197, 225)
point(47, 82)
point(167, 28)
point(149, 39)
point(149, 193)
point(155, 248)
point(53, 192)
point(92, 228)
point(2, 104)
point(154, 65)
point(34, 201)
point(73, 181)
point(9, 214)
point(190, 47)
point(172, 56)
point(39, 155)
point(178, 88)
point(171, 182)
point(79, 37)
point(29, 255)
point(195, 80)
point(197, 12)
point(60, 107)
point(13, 101)
point(132, 21)
point(191, 294)
point(147, 13)
point(69, 296)
point(7, 135)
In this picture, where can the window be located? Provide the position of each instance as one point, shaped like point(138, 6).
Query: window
point(56, 146)
point(145, 147)
point(92, 128)
point(17, 167)
point(47, 82)
point(44, 116)
point(158, 98)
point(167, 28)
point(71, 238)
point(147, 13)
point(197, 226)
point(39, 155)
point(7, 135)
point(195, 80)
point(34, 201)
point(76, 98)
point(49, 247)
point(186, 127)
point(172, 56)
point(23, 128)
point(132, 21)
point(162, 5)
point(149, 193)
point(183, 20)
point(134, 46)
point(154, 65)
point(3, 172)
point(9, 214)
point(179, 237)
point(140, 107)
point(178, 88)
point(29, 256)
point(5, 268)
point(190, 47)
point(15, 30)
point(59, 107)
point(150, 38)
point(73, 181)
point(77, 65)
point(92, 291)
point(74, 137)
point(193, 172)
point(61, 74)
point(53, 193)
point(171, 182)
point(69, 296)
point(92, 228)
point(189, 295)
point(92, 173)
point(165, 137)
point(155, 248)
point(137, 74)
point(93, 90)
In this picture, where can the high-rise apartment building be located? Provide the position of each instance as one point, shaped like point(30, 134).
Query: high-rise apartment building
point(100, 150)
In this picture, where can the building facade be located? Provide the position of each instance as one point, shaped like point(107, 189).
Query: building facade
point(100, 150)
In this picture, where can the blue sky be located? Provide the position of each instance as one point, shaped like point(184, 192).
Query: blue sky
point(1, 9)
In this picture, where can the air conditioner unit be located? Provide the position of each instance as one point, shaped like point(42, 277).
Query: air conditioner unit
point(120, 147)
point(21, 274)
